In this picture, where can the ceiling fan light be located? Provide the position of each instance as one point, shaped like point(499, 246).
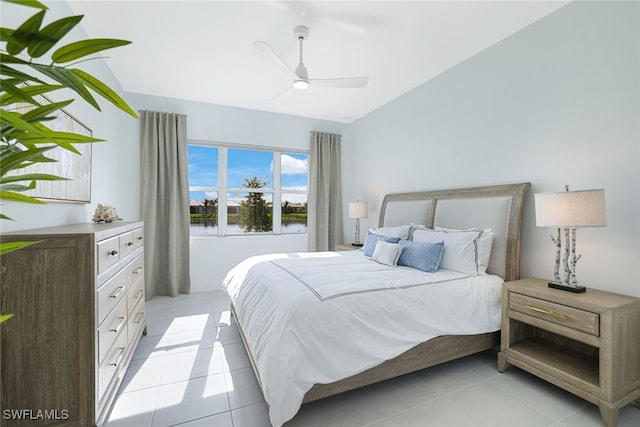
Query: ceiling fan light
point(300, 84)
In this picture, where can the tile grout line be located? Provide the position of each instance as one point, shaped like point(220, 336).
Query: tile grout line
point(425, 402)
point(526, 403)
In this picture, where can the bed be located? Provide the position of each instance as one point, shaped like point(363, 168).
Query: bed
point(318, 324)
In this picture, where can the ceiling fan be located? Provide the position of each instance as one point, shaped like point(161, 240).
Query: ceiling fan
point(300, 75)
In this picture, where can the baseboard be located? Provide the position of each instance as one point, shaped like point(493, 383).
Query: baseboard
point(206, 287)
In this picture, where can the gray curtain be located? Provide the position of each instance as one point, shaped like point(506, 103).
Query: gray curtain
point(165, 202)
point(325, 193)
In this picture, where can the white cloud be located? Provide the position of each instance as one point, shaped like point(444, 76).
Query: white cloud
point(294, 188)
point(292, 166)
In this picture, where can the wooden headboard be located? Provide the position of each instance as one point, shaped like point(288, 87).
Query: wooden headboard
point(498, 207)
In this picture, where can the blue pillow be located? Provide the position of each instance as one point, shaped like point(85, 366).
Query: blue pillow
point(372, 239)
point(425, 256)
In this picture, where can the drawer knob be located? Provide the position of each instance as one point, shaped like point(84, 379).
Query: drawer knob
point(549, 312)
point(129, 244)
point(140, 238)
point(113, 252)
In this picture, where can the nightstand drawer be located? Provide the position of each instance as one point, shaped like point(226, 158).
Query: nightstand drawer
point(573, 318)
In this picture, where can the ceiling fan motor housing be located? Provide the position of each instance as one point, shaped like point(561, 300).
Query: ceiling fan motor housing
point(301, 32)
point(301, 71)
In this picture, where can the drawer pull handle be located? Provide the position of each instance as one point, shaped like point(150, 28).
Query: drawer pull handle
point(129, 244)
point(549, 312)
point(138, 295)
point(119, 290)
point(137, 270)
point(140, 238)
point(138, 317)
point(120, 324)
point(119, 359)
point(113, 253)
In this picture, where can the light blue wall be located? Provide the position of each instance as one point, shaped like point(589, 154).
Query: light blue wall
point(239, 125)
point(556, 103)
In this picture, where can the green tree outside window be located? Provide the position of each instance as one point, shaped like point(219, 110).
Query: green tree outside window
point(255, 210)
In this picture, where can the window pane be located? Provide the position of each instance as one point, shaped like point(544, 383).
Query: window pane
point(294, 172)
point(203, 212)
point(203, 166)
point(203, 197)
point(294, 213)
point(244, 165)
point(249, 213)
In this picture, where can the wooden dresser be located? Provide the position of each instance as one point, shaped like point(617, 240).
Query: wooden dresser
point(79, 311)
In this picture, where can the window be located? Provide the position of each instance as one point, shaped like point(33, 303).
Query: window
point(294, 181)
point(233, 191)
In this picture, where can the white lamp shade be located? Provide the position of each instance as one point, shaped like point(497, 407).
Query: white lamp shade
point(357, 210)
point(571, 209)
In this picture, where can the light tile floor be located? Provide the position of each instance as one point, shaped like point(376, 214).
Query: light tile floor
point(192, 370)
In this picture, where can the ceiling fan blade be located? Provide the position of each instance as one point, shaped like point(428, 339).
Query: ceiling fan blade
point(266, 50)
point(285, 93)
point(345, 82)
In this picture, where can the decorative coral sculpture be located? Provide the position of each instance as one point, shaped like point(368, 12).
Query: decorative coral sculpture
point(105, 213)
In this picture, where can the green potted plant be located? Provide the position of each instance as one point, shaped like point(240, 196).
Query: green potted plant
point(32, 63)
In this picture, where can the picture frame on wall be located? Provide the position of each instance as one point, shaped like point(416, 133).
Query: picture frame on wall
point(77, 168)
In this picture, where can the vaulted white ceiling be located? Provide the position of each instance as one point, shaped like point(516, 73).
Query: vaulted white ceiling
point(203, 50)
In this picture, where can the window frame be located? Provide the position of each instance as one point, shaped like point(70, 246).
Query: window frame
point(223, 191)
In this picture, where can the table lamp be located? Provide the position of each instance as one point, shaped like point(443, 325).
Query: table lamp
point(569, 210)
point(357, 210)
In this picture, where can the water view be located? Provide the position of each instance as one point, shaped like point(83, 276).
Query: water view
point(204, 229)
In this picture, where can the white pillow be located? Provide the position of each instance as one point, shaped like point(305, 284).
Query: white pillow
point(415, 227)
point(401, 231)
point(387, 253)
point(485, 242)
point(460, 248)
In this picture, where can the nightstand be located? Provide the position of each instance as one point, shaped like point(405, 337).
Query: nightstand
point(347, 247)
point(587, 344)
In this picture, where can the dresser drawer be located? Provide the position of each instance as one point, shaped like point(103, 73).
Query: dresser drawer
point(138, 237)
point(127, 244)
point(111, 329)
point(569, 317)
point(135, 294)
point(136, 321)
point(108, 253)
point(116, 288)
point(111, 364)
point(110, 294)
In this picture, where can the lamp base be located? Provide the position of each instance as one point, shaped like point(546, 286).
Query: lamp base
point(357, 245)
point(563, 287)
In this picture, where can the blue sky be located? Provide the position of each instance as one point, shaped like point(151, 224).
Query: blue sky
point(241, 164)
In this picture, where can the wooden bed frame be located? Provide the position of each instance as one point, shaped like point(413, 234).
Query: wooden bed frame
point(497, 207)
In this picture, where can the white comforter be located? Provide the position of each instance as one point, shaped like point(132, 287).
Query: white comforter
point(319, 317)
